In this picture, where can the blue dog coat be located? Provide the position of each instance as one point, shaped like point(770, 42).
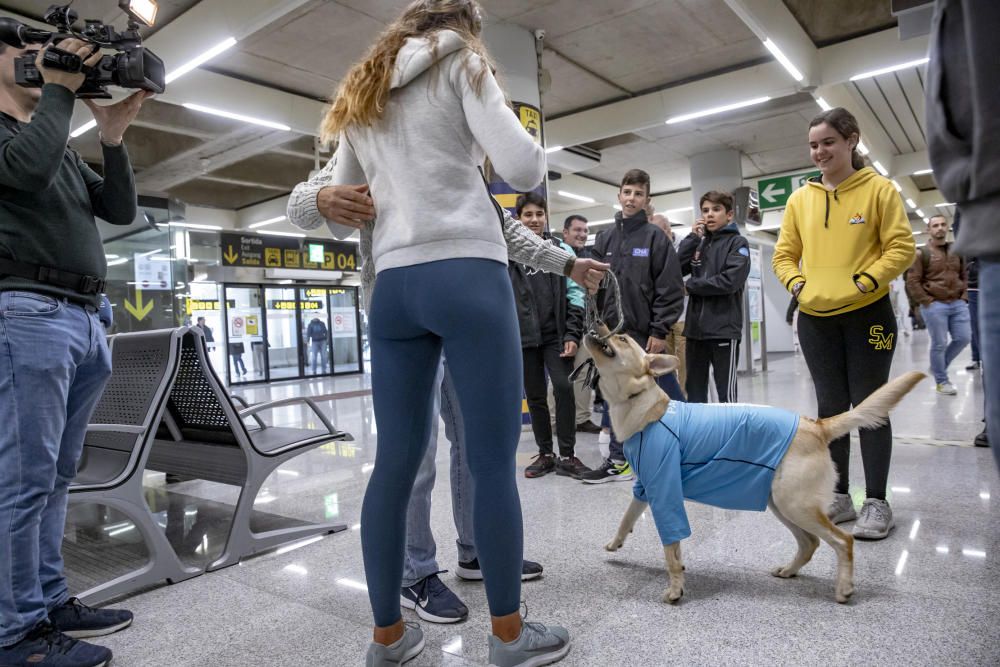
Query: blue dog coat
point(722, 454)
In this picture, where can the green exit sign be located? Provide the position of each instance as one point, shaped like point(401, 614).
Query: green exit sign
point(774, 192)
point(316, 252)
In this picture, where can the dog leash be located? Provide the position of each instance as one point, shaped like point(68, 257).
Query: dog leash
point(592, 317)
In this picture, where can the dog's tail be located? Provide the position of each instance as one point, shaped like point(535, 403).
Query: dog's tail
point(874, 410)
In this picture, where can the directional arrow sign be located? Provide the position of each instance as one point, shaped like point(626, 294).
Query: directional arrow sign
point(140, 309)
point(231, 256)
point(774, 192)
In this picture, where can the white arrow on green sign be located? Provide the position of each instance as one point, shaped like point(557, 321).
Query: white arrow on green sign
point(774, 192)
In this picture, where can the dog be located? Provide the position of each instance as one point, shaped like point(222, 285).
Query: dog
point(783, 462)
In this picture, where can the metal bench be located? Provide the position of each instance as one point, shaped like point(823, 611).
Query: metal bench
point(203, 434)
point(116, 448)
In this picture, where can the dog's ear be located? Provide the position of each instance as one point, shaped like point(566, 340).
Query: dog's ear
point(661, 364)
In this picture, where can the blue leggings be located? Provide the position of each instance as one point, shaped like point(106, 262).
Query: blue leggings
point(466, 308)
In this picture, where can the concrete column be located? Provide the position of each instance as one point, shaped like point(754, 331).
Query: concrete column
point(717, 170)
point(513, 50)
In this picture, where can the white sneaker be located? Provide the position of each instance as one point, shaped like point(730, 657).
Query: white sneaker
point(604, 438)
point(841, 509)
point(947, 388)
point(874, 521)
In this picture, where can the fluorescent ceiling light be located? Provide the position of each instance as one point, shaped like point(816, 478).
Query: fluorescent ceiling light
point(602, 222)
point(553, 149)
point(926, 221)
point(911, 203)
point(920, 213)
point(680, 210)
point(112, 256)
point(192, 225)
point(878, 166)
point(292, 234)
point(823, 104)
point(891, 68)
point(899, 188)
point(200, 60)
point(943, 204)
point(269, 221)
point(83, 129)
point(117, 262)
point(715, 110)
point(783, 59)
point(862, 148)
point(617, 207)
point(236, 116)
point(570, 195)
point(923, 171)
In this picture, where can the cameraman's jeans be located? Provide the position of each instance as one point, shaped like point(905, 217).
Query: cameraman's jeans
point(944, 319)
point(54, 363)
point(421, 550)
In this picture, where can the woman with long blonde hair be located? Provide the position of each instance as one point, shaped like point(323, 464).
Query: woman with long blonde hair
point(415, 120)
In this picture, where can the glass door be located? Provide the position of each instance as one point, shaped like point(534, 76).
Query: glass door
point(283, 348)
point(243, 328)
point(315, 318)
point(343, 307)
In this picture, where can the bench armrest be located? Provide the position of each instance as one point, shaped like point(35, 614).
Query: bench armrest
point(252, 411)
point(243, 402)
point(115, 428)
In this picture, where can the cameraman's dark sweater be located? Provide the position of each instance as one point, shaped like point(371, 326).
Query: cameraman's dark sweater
point(49, 197)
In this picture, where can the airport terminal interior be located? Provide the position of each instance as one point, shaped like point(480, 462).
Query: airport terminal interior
point(701, 94)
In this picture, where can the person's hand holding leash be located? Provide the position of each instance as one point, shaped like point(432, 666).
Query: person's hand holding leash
point(569, 349)
point(656, 345)
point(348, 205)
point(588, 273)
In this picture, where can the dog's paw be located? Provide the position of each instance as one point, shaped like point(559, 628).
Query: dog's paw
point(783, 572)
point(615, 544)
point(844, 593)
point(672, 594)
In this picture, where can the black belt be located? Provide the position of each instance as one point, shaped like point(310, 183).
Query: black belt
point(56, 277)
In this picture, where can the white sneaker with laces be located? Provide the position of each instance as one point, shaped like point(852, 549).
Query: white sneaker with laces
point(841, 509)
point(874, 521)
point(947, 388)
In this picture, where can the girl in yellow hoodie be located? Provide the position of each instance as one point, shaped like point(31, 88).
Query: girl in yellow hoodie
point(844, 237)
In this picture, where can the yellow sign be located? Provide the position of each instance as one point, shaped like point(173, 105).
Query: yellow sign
point(272, 257)
point(340, 261)
point(292, 258)
point(230, 255)
point(139, 310)
point(253, 327)
point(290, 305)
point(315, 292)
point(531, 120)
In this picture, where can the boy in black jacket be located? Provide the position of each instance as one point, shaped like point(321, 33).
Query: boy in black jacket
point(718, 258)
point(652, 294)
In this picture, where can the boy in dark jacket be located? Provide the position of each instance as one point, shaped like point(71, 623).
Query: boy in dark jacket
point(652, 294)
point(718, 258)
point(550, 315)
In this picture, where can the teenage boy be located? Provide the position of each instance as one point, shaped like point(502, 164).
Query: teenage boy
point(717, 257)
point(652, 294)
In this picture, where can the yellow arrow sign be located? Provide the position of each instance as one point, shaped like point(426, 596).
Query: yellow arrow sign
point(231, 256)
point(140, 309)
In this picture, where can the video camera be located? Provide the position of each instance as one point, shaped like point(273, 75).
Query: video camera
point(132, 67)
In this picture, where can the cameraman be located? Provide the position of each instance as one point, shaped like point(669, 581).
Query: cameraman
point(54, 360)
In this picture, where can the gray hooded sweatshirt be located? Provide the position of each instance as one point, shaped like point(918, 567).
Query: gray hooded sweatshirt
point(421, 159)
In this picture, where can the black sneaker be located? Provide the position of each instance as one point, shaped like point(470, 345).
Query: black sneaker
point(588, 427)
point(542, 465)
point(77, 620)
point(45, 646)
point(974, 366)
point(570, 466)
point(982, 440)
point(433, 601)
point(611, 471)
point(470, 570)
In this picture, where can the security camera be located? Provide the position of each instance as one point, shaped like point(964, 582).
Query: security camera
point(540, 34)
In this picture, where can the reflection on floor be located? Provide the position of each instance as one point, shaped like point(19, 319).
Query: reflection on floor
point(927, 595)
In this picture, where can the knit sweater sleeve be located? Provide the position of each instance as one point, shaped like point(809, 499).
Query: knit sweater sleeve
point(528, 248)
point(302, 211)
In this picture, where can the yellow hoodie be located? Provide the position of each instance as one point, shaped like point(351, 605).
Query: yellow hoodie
point(857, 232)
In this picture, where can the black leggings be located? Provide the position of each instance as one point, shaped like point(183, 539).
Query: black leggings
point(536, 361)
point(849, 357)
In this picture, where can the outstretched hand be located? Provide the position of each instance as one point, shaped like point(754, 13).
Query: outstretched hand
point(588, 273)
point(112, 120)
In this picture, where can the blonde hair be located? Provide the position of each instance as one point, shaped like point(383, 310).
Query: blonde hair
point(362, 95)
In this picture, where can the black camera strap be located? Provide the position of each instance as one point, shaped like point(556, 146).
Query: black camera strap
point(56, 277)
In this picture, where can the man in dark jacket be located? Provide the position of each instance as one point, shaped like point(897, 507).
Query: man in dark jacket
point(652, 294)
point(550, 314)
point(317, 334)
point(718, 258)
point(52, 270)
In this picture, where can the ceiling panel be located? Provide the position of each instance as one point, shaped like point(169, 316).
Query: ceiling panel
point(829, 22)
point(221, 195)
point(572, 87)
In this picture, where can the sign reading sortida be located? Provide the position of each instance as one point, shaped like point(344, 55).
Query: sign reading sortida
point(280, 252)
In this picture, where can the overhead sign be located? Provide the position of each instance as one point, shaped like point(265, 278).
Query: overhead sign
point(774, 192)
point(289, 304)
point(280, 252)
point(152, 271)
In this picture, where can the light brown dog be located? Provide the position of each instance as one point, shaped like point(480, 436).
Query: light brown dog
point(802, 487)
